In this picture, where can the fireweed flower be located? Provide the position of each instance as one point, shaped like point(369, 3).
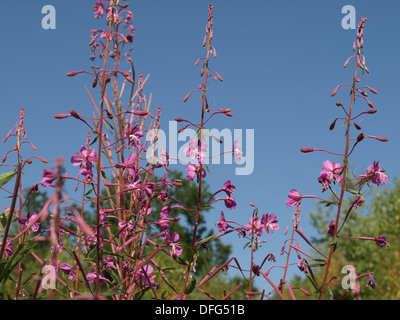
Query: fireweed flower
point(24, 221)
point(381, 241)
point(294, 198)
point(192, 169)
point(145, 276)
point(133, 135)
point(358, 202)
point(229, 188)
point(254, 227)
point(128, 228)
point(377, 174)
point(66, 268)
point(256, 269)
point(330, 172)
point(91, 278)
point(48, 177)
point(222, 225)
point(196, 149)
point(8, 249)
point(331, 227)
point(85, 158)
point(303, 265)
point(269, 222)
point(237, 151)
point(129, 165)
point(98, 9)
point(164, 221)
point(371, 282)
point(108, 263)
point(230, 202)
point(172, 241)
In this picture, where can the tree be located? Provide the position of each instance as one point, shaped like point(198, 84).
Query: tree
point(381, 217)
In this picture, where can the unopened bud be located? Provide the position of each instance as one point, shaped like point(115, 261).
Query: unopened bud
point(306, 150)
point(357, 126)
point(140, 113)
point(61, 116)
point(332, 125)
point(74, 114)
point(73, 73)
point(360, 137)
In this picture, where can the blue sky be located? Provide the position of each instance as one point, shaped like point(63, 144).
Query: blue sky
point(280, 61)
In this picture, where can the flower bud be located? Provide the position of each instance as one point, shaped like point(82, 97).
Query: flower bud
point(332, 125)
point(61, 116)
point(74, 114)
point(73, 73)
point(306, 150)
point(360, 137)
point(140, 113)
point(357, 126)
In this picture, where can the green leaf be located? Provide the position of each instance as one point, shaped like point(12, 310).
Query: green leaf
point(191, 287)
point(205, 240)
point(5, 177)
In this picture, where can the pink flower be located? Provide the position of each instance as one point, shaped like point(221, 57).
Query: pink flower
point(269, 222)
point(381, 241)
point(98, 9)
point(254, 227)
point(145, 276)
point(237, 151)
point(85, 158)
point(192, 169)
point(222, 225)
point(294, 198)
point(172, 241)
point(48, 177)
point(229, 188)
point(196, 149)
point(330, 172)
point(230, 202)
point(377, 174)
point(24, 221)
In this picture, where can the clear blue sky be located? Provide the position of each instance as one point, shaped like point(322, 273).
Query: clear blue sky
point(280, 61)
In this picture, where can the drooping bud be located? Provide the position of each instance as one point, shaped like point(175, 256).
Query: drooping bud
point(360, 137)
point(61, 116)
point(357, 126)
point(306, 150)
point(74, 114)
point(332, 125)
point(73, 73)
point(186, 98)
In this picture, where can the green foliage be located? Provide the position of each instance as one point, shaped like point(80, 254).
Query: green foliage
point(380, 217)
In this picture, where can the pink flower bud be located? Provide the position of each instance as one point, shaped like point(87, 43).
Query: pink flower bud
point(140, 113)
point(73, 73)
point(74, 114)
point(306, 150)
point(61, 116)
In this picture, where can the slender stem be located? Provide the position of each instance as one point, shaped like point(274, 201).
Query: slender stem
point(343, 185)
